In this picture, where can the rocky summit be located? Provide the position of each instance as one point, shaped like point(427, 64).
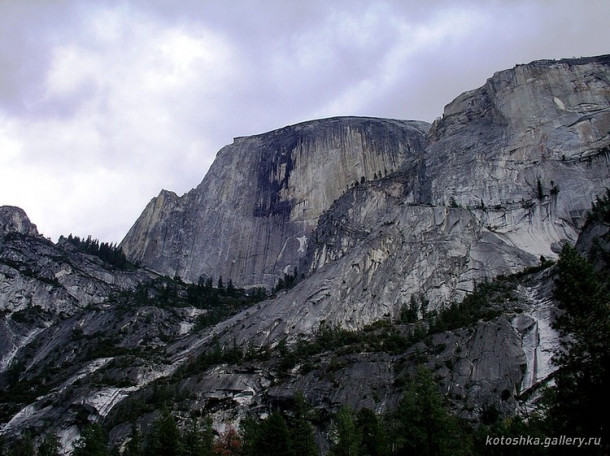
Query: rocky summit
point(328, 258)
point(252, 217)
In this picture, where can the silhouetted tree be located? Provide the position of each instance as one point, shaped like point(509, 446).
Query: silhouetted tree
point(23, 446)
point(275, 437)
point(197, 440)
point(227, 444)
point(231, 291)
point(49, 446)
point(539, 189)
point(424, 426)
point(301, 430)
point(134, 446)
point(373, 438)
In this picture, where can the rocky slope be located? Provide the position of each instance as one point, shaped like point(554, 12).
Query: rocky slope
point(42, 283)
point(77, 335)
point(373, 214)
point(117, 359)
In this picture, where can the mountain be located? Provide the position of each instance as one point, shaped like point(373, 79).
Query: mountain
point(252, 217)
point(504, 177)
point(331, 258)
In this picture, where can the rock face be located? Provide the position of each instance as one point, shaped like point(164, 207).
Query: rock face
point(97, 360)
point(506, 175)
point(372, 252)
point(14, 220)
point(372, 213)
point(63, 322)
point(500, 183)
point(42, 283)
point(527, 152)
point(251, 218)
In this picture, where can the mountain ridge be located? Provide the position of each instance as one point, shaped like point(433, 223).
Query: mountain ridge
point(498, 121)
point(366, 217)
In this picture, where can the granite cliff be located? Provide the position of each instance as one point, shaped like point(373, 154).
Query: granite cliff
point(380, 210)
point(251, 218)
point(525, 152)
point(84, 342)
point(373, 214)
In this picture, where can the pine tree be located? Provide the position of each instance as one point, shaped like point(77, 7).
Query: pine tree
point(228, 444)
point(164, 438)
point(267, 437)
point(424, 426)
point(231, 291)
point(197, 441)
point(134, 446)
point(578, 401)
point(345, 436)
point(372, 433)
point(275, 437)
point(93, 442)
point(301, 430)
point(209, 282)
point(49, 446)
point(539, 189)
point(24, 446)
point(408, 314)
point(250, 436)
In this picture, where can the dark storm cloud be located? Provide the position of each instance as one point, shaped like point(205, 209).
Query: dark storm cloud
point(104, 103)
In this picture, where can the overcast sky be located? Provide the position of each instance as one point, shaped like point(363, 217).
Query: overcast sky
point(104, 103)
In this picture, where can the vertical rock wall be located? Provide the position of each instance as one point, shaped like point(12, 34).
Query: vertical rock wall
point(527, 152)
point(252, 216)
point(469, 209)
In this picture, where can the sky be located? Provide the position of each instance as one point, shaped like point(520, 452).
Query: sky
point(105, 103)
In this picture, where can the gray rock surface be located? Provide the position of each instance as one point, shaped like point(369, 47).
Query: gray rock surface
point(467, 210)
point(251, 218)
point(505, 176)
point(527, 152)
point(15, 220)
point(63, 328)
point(372, 254)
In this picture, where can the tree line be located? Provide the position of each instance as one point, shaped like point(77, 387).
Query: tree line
point(421, 424)
point(111, 253)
